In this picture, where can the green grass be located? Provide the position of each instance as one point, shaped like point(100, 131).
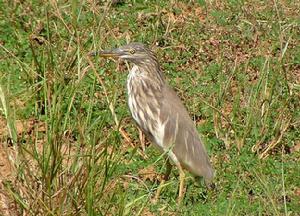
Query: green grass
point(235, 64)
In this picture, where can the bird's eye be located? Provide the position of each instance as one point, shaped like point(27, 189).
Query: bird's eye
point(132, 51)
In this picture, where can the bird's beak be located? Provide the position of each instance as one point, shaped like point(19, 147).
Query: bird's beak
point(108, 53)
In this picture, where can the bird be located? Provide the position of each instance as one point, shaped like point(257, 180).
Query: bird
point(161, 115)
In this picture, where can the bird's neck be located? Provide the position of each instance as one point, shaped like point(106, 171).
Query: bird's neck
point(141, 81)
point(150, 71)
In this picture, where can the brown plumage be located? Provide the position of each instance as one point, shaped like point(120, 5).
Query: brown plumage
point(160, 114)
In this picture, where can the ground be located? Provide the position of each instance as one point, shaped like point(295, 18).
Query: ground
point(68, 145)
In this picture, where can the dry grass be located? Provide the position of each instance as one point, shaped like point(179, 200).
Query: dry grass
point(68, 145)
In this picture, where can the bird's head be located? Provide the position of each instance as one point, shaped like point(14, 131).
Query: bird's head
point(134, 52)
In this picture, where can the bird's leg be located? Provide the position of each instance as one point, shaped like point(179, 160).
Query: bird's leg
point(142, 139)
point(168, 169)
point(164, 179)
point(181, 183)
